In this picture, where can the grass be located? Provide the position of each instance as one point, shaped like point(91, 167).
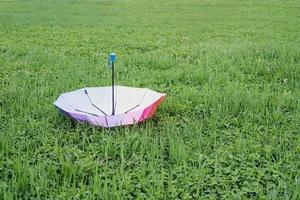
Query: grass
point(228, 129)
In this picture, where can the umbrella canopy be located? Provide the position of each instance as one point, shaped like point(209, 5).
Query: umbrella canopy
point(94, 105)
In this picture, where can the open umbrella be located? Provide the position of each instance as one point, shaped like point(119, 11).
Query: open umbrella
point(110, 106)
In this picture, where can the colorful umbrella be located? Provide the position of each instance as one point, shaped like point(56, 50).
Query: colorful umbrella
point(110, 106)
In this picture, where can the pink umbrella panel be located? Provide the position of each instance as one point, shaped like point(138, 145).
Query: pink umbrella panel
point(94, 106)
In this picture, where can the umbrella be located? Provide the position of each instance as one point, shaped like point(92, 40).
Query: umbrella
point(110, 106)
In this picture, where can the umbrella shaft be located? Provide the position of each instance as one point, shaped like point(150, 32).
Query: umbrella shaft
point(113, 86)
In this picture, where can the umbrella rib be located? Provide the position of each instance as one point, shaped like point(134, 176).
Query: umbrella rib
point(138, 104)
point(85, 91)
point(87, 113)
point(81, 110)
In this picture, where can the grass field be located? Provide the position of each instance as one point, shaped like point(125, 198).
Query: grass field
point(228, 129)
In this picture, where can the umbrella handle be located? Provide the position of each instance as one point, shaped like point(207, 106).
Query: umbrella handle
point(112, 58)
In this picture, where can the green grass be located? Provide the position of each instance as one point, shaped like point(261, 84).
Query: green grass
point(228, 129)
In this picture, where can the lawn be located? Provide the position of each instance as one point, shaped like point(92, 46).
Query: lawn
point(229, 127)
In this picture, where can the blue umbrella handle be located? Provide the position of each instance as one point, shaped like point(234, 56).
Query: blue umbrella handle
point(111, 59)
